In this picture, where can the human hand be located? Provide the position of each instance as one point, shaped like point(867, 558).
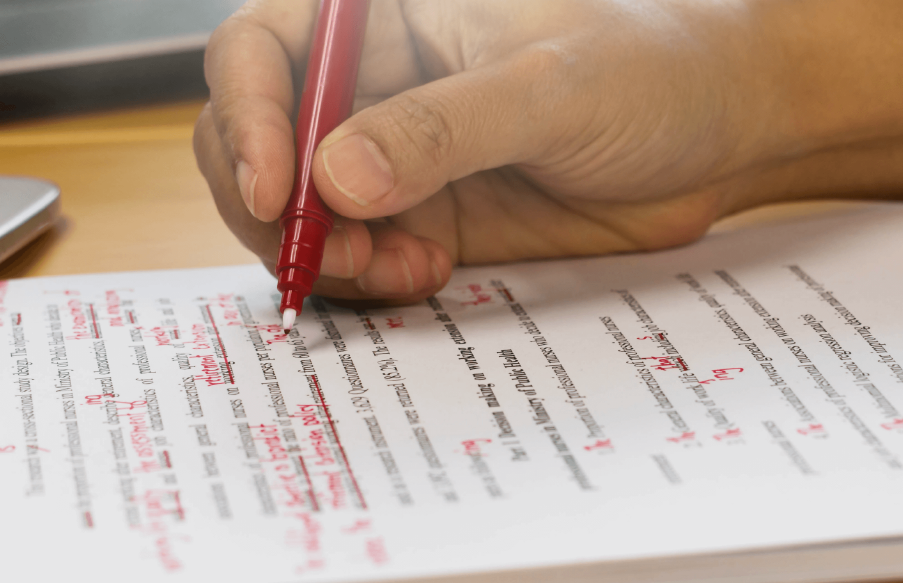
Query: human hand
point(499, 131)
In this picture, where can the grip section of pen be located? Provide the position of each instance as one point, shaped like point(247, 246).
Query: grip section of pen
point(325, 103)
point(300, 256)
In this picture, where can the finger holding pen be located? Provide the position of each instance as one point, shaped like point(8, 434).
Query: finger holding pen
point(528, 129)
point(245, 147)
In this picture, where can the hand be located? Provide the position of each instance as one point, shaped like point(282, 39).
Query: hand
point(504, 130)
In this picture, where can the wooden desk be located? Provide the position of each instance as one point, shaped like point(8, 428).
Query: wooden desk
point(132, 197)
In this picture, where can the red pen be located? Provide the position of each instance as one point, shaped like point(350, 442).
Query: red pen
point(335, 54)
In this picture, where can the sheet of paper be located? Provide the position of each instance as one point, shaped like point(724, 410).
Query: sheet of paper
point(743, 392)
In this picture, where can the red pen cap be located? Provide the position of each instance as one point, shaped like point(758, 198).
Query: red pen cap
point(325, 103)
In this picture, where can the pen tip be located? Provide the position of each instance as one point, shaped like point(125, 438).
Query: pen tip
point(288, 319)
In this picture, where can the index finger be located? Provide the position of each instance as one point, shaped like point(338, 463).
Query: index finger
point(249, 67)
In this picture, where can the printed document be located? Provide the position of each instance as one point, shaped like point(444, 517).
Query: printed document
point(740, 393)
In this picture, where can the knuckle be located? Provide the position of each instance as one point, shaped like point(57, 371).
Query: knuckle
point(226, 41)
point(219, 39)
point(204, 132)
point(426, 123)
point(219, 35)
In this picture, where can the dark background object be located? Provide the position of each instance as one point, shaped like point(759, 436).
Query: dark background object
point(63, 56)
point(102, 86)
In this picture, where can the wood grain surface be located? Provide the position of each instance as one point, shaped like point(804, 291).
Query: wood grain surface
point(132, 197)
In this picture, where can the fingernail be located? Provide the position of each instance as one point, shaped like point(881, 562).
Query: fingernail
point(247, 180)
point(388, 273)
point(358, 169)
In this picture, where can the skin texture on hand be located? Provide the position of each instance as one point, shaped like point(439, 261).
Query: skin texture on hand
point(515, 129)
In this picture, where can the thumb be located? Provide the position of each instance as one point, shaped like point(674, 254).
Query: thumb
point(391, 156)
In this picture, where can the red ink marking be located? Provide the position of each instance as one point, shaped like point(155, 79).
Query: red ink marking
point(114, 305)
point(307, 414)
point(138, 434)
point(18, 319)
point(113, 302)
point(65, 292)
point(600, 444)
point(311, 493)
point(395, 322)
point(479, 296)
point(308, 540)
point(336, 489)
point(321, 448)
point(146, 467)
point(812, 428)
point(376, 551)
point(357, 488)
point(685, 436)
point(722, 374)
point(8, 449)
point(894, 424)
point(271, 328)
point(280, 337)
point(211, 369)
point(167, 461)
point(231, 315)
point(269, 435)
point(155, 505)
point(369, 324)
point(276, 330)
point(729, 434)
point(664, 362)
point(160, 335)
point(131, 315)
point(79, 320)
point(288, 484)
point(472, 446)
point(37, 448)
point(507, 294)
point(129, 405)
point(89, 520)
point(180, 510)
point(94, 326)
point(199, 337)
point(359, 525)
point(221, 347)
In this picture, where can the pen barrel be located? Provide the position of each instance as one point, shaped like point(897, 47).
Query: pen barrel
point(326, 102)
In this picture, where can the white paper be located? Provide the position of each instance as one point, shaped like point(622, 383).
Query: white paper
point(743, 392)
